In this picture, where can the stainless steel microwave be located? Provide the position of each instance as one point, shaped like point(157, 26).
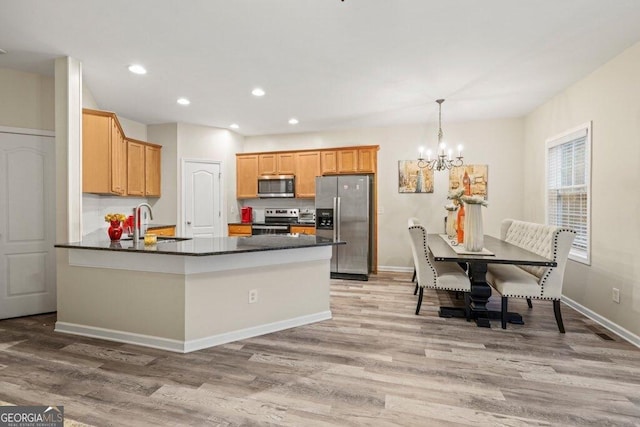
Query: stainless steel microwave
point(270, 186)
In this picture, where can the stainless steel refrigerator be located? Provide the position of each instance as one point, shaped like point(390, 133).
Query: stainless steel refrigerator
point(344, 212)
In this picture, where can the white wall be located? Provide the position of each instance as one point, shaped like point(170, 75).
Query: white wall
point(497, 143)
point(95, 207)
point(610, 98)
point(165, 208)
point(203, 142)
point(26, 100)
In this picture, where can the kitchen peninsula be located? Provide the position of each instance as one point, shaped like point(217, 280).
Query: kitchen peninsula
point(185, 295)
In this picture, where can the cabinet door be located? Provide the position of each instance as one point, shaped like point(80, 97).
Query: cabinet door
point(239, 230)
point(267, 164)
point(347, 161)
point(286, 164)
point(135, 168)
point(308, 168)
point(367, 160)
point(303, 229)
point(96, 154)
point(328, 162)
point(247, 176)
point(118, 160)
point(152, 170)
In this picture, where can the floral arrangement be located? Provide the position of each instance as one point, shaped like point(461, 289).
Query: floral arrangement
point(110, 217)
point(455, 195)
point(451, 207)
point(474, 200)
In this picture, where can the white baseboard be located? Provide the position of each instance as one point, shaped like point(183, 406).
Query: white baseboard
point(192, 345)
point(613, 327)
point(395, 269)
point(120, 336)
point(255, 331)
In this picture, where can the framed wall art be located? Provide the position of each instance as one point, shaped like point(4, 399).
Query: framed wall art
point(478, 174)
point(412, 179)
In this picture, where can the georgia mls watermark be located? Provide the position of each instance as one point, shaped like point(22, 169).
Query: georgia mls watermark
point(31, 416)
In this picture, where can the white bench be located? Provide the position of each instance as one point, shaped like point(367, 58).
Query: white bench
point(544, 283)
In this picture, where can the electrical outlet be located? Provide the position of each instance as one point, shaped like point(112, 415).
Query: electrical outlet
point(253, 296)
point(615, 295)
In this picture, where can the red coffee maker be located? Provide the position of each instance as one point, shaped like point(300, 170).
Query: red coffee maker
point(246, 215)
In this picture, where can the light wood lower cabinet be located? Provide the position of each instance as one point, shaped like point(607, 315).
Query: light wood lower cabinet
point(163, 231)
point(239, 230)
point(303, 229)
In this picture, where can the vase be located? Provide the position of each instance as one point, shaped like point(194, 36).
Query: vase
point(451, 224)
point(115, 231)
point(473, 232)
point(460, 224)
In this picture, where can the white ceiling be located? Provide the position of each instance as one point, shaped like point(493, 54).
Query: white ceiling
point(331, 64)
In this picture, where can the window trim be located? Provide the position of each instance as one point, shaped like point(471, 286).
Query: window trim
point(559, 139)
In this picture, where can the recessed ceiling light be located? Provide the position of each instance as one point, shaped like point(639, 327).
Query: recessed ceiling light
point(234, 126)
point(258, 92)
point(293, 121)
point(2, 51)
point(183, 101)
point(137, 69)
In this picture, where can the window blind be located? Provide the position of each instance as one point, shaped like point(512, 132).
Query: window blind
point(567, 187)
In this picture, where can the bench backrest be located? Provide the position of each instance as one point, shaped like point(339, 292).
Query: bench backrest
point(548, 241)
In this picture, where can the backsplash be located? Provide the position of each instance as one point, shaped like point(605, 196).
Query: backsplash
point(95, 207)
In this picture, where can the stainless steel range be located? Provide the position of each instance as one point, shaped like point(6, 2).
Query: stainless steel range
point(276, 221)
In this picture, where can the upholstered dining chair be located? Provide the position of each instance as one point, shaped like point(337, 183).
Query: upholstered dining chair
point(543, 283)
point(410, 223)
point(433, 274)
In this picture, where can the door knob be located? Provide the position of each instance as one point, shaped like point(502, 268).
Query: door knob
point(188, 222)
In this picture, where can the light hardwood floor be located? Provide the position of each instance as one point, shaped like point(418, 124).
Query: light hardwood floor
point(375, 363)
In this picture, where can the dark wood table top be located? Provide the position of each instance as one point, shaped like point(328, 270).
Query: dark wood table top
point(504, 253)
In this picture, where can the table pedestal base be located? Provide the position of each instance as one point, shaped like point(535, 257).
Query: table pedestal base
point(482, 318)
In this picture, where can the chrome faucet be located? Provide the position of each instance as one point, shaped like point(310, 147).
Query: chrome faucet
point(136, 212)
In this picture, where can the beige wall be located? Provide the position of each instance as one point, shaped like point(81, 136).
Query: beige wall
point(610, 98)
point(497, 143)
point(26, 100)
point(185, 141)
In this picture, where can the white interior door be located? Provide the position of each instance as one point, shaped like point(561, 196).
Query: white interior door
point(202, 199)
point(27, 225)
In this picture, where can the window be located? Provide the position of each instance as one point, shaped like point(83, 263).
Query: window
point(569, 187)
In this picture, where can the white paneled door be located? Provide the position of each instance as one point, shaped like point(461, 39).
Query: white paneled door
point(27, 224)
point(202, 199)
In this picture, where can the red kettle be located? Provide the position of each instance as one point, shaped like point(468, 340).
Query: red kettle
point(246, 215)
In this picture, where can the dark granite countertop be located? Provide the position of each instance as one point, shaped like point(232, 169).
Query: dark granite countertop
point(202, 246)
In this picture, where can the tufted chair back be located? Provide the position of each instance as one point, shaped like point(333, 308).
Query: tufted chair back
point(422, 258)
point(545, 240)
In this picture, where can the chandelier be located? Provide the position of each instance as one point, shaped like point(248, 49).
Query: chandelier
point(443, 159)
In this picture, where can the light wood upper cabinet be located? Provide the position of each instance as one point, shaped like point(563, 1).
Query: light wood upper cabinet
point(276, 164)
point(143, 168)
point(287, 164)
point(308, 168)
point(268, 164)
point(247, 176)
point(135, 168)
point(367, 160)
point(328, 162)
point(152, 170)
point(347, 161)
point(103, 154)
point(113, 164)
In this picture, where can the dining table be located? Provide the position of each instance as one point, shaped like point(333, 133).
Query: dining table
point(495, 251)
